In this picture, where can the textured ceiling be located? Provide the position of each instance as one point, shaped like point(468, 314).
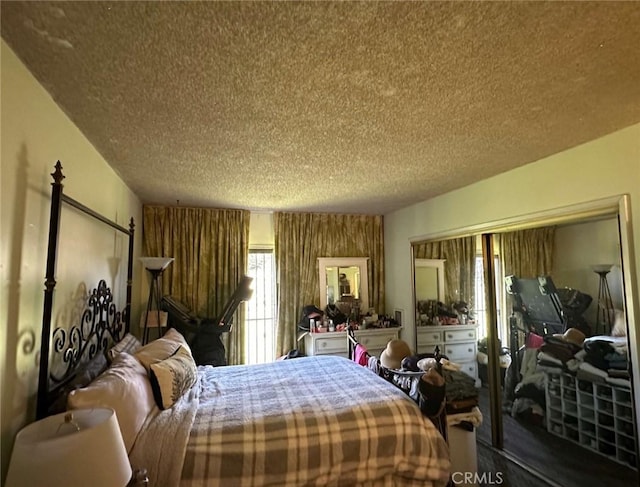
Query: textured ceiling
point(318, 106)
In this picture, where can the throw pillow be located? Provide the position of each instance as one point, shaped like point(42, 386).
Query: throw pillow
point(161, 349)
point(172, 377)
point(123, 387)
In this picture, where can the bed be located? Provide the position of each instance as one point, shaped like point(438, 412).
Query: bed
point(307, 421)
point(301, 422)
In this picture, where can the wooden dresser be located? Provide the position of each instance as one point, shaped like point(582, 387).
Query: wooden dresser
point(336, 343)
point(458, 342)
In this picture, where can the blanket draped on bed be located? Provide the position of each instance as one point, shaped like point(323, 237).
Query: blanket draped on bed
point(313, 421)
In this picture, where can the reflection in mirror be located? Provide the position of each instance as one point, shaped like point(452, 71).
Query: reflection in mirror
point(530, 410)
point(444, 286)
point(343, 282)
point(429, 289)
point(457, 290)
point(550, 294)
point(534, 393)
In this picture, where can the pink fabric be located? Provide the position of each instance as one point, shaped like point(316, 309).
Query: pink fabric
point(360, 355)
point(534, 341)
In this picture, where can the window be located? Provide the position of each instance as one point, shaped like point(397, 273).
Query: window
point(480, 314)
point(261, 308)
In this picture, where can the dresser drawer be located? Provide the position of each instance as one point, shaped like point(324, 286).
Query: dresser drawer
point(460, 336)
point(469, 368)
point(330, 345)
point(429, 337)
point(460, 351)
point(378, 341)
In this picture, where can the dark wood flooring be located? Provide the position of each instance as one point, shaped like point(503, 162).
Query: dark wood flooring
point(561, 462)
point(498, 468)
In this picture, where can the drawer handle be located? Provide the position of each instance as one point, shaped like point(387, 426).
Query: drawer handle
point(323, 344)
point(470, 334)
point(470, 350)
point(449, 335)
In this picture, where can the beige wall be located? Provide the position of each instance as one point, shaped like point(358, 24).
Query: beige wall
point(576, 248)
point(261, 230)
point(34, 134)
point(605, 167)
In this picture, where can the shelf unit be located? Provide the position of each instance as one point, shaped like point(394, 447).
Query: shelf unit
point(596, 416)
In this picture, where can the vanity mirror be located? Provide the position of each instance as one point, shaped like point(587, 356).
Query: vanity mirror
point(344, 281)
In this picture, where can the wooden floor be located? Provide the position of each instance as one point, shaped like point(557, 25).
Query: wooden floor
point(496, 468)
point(560, 461)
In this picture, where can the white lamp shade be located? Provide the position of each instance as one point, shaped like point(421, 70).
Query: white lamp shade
point(54, 453)
point(156, 263)
point(601, 267)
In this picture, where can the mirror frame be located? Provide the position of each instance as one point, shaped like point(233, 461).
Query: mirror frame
point(360, 262)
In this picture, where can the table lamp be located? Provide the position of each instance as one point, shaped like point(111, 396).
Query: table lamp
point(75, 449)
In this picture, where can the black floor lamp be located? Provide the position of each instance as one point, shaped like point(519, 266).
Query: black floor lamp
point(604, 320)
point(156, 266)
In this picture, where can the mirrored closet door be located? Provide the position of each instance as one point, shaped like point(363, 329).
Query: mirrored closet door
point(549, 312)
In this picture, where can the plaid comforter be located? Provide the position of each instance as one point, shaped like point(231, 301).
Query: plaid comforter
point(313, 421)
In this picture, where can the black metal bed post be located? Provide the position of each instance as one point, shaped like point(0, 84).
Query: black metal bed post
point(50, 284)
point(127, 320)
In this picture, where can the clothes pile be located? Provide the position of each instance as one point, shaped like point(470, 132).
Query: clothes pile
point(461, 398)
point(462, 395)
point(561, 353)
point(528, 393)
point(605, 360)
point(600, 359)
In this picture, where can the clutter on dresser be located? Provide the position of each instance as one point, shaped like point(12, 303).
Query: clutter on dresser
point(431, 312)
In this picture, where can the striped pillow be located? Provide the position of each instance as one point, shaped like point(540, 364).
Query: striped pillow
point(129, 344)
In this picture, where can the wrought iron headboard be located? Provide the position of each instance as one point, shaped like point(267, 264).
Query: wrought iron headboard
point(100, 321)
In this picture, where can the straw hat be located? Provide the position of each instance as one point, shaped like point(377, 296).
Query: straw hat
point(391, 357)
point(573, 336)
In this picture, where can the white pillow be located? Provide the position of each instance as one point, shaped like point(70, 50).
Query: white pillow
point(161, 349)
point(172, 377)
point(123, 387)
